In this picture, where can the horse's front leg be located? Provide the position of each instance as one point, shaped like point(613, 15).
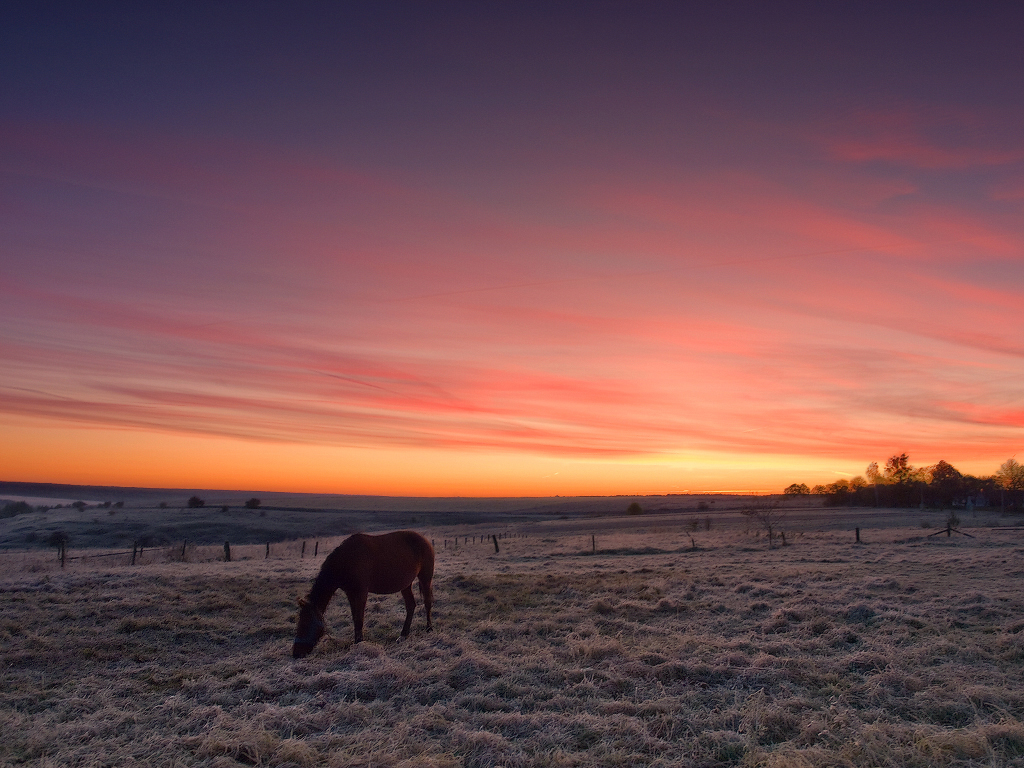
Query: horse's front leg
point(357, 602)
point(410, 607)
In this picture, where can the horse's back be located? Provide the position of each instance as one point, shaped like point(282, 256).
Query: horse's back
point(387, 562)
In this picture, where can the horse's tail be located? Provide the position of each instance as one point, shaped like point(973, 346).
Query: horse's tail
point(426, 574)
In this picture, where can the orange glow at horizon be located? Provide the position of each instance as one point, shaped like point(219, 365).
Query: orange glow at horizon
point(92, 456)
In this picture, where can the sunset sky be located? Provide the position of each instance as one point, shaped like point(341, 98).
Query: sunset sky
point(508, 249)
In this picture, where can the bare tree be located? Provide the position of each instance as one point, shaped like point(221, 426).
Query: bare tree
point(898, 469)
point(768, 514)
point(1010, 477)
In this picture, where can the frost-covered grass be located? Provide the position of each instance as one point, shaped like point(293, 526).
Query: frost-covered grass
point(903, 651)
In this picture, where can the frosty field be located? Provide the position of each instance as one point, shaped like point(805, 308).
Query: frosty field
point(637, 647)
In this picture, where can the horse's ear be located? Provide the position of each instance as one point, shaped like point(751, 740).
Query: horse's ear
point(303, 602)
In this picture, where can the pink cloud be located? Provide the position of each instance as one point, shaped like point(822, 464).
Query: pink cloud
point(927, 139)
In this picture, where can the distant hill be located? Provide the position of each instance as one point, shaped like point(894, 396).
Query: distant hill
point(118, 516)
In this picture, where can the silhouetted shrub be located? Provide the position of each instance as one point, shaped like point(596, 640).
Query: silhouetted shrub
point(634, 509)
point(252, 503)
point(195, 501)
point(15, 508)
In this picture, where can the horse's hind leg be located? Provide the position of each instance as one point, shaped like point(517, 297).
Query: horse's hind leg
point(427, 592)
point(410, 607)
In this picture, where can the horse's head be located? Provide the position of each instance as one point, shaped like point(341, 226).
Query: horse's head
point(309, 630)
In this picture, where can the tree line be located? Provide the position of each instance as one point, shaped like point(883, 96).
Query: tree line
point(941, 485)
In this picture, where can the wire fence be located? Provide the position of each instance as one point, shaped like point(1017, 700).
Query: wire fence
point(63, 556)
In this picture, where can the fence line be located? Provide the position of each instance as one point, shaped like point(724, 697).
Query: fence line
point(188, 551)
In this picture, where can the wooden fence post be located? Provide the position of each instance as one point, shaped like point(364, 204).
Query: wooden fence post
point(303, 553)
point(183, 545)
point(227, 552)
point(268, 552)
point(593, 544)
point(63, 553)
point(135, 546)
point(858, 534)
point(316, 548)
point(495, 543)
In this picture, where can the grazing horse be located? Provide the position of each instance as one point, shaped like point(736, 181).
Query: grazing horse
point(361, 564)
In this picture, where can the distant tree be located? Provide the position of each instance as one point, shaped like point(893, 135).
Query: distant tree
point(898, 469)
point(118, 504)
point(768, 515)
point(947, 484)
point(1011, 475)
point(79, 505)
point(873, 475)
point(818, 490)
point(941, 471)
point(903, 484)
point(195, 501)
point(797, 489)
point(1010, 478)
point(58, 539)
point(15, 508)
point(634, 509)
point(252, 503)
point(838, 493)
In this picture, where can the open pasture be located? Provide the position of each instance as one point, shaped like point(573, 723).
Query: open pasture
point(905, 650)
